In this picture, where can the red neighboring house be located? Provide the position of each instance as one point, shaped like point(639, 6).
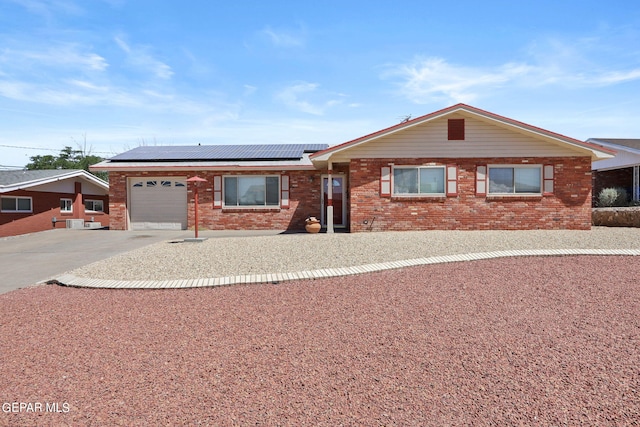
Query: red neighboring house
point(38, 200)
point(458, 168)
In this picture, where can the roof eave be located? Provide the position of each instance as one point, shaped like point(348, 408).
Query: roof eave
point(37, 182)
point(122, 167)
point(614, 147)
point(596, 152)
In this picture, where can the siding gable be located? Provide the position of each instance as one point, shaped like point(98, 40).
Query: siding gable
point(431, 139)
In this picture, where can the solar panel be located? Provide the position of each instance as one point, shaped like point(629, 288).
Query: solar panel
point(218, 152)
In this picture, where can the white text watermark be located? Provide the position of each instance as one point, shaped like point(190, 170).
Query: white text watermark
point(35, 407)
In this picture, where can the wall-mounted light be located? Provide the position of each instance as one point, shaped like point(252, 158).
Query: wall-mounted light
point(53, 221)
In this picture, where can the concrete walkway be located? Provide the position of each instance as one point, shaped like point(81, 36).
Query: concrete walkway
point(34, 258)
point(275, 278)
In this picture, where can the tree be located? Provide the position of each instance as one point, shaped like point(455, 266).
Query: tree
point(67, 159)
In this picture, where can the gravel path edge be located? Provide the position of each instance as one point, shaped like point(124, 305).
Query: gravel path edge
point(72, 280)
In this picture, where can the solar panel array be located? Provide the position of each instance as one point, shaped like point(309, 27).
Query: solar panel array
point(218, 152)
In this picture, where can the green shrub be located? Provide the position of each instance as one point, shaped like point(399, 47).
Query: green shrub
point(609, 197)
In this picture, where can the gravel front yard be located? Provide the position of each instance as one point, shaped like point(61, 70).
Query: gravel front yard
point(230, 256)
point(523, 341)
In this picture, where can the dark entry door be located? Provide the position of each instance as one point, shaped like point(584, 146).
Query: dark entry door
point(338, 200)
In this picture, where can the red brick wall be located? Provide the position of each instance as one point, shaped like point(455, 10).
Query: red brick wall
point(568, 208)
point(118, 201)
point(304, 196)
point(46, 206)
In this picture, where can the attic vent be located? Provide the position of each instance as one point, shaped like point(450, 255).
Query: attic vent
point(456, 129)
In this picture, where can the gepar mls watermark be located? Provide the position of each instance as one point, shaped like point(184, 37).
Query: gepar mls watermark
point(36, 407)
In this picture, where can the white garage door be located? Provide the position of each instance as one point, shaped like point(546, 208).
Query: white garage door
point(158, 203)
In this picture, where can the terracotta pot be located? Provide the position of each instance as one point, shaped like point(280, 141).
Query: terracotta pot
point(313, 226)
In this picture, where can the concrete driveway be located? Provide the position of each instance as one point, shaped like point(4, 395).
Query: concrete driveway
point(34, 258)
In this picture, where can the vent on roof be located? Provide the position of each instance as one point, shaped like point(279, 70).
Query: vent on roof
point(456, 130)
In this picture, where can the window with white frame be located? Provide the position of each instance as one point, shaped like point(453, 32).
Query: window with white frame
point(251, 190)
point(419, 180)
point(66, 205)
point(94, 205)
point(16, 204)
point(515, 179)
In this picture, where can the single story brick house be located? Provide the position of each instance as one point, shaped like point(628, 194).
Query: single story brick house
point(621, 171)
point(458, 168)
point(38, 200)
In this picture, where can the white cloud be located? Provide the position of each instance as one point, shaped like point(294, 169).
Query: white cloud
point(13, 90)
point(434, 78)
point(69, 93)
point(290, 96)
point(62, 55)
point(615, 77)
point(306, 97)
point(198, 65)
point(283, 38)
point(80, 93)
point(88, 85)
point(140, 58)
point(49, 8)
point(552, 63)
point(71, 75)
point(249, 90)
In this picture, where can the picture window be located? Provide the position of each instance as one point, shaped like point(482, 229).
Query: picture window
point(429, 180)
point(515, 179)
point(251, 191)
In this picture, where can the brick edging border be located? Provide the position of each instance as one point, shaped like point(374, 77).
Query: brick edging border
point(275, 278)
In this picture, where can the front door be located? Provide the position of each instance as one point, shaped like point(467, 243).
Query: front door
point(339, 212)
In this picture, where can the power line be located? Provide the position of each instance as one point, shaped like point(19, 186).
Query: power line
point(49, 149)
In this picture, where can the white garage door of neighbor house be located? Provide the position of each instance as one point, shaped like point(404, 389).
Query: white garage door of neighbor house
point(158, 203)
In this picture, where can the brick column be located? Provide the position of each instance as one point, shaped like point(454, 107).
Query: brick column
point(78, 204)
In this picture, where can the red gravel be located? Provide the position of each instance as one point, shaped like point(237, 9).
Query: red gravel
point(522, 341)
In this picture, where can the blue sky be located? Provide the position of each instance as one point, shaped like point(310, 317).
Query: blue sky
point(122, 73)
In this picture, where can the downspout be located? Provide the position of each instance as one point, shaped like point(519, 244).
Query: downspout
point(636, 183)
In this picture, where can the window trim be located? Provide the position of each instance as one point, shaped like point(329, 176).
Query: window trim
point(66, 199)
point(538, 166)
point(93, 200)
point(16, 198)
point(418, 167)
point(264, 206)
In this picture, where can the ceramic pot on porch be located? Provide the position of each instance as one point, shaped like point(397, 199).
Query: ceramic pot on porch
point(312, 225)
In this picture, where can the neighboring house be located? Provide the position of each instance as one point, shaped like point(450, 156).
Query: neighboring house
point(37, 200)
point(621, 171)
point(458, 168)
